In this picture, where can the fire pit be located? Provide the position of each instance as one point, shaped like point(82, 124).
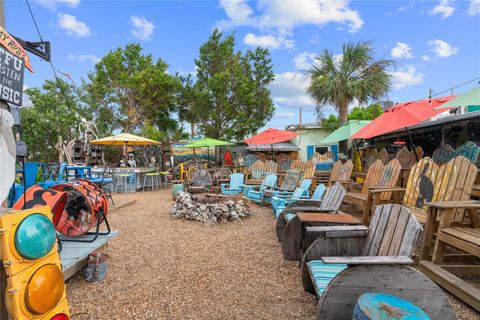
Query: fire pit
point(209, 208)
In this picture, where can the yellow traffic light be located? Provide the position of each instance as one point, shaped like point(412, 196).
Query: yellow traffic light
point(35, 285)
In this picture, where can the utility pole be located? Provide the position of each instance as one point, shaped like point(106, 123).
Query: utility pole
point(300, 119)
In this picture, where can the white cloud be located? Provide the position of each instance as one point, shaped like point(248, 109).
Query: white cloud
point(54, 4)
point(84, 57)
point(406, 76)
point(72, 26)
point(289, 90)
point(474, 8)
point(282, 14)
point(283, 115)
point(444, 8)
point(280, 41)
point(402, 50)
point(304, 60)
point(142, 28)
point(442, 48)
point(425, 58)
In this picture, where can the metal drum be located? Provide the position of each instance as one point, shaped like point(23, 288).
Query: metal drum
point(37, 196)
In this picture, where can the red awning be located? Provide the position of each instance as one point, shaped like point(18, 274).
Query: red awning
point(271, 136)
point(402, 115)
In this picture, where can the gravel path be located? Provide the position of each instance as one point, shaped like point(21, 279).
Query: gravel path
point(164, 268)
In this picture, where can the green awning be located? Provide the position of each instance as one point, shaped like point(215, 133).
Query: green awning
point(207, 142)
point(469, 98)
point(345, 131)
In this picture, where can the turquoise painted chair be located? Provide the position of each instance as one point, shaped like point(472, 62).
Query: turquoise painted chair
point(235, 185)
point(304, 185)
point(278, 204)
point(255, 194)
point(51, 176)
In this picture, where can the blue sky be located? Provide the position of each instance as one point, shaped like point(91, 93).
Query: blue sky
point(436, 44)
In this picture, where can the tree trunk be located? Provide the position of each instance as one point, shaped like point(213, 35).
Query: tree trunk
point(192, 129)
point(342, 118)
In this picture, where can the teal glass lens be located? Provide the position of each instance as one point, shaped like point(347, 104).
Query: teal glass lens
point(35, 236)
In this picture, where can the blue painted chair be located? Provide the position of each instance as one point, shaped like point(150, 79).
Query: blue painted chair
point(304, 185)
point(278, 204)
point(322, 261)
point(255, 194)
point(235, 185)
point(53, 174)
point(30, 177)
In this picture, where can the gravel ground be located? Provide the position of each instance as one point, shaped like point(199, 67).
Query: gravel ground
point(164, 268)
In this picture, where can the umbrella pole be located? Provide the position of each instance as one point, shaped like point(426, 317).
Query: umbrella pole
point(411, 143)
point(271, 146)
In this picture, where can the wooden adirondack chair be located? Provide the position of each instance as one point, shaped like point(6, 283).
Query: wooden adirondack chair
point(289, 183)
point(383, 155)
point(258, 168)
point(469, 150)
point(378, 256)
point(302, 191)
point(297, 165)
point(370, 159)
point(235, 185)
point(443, 154)
point(388, 178)
point(250, 159)
point(288, 226)
point(374, 174)
point(309, 170)
point(281, 203)
point(406, 158)
point(341, 172)
point(390, 239)
point(270, 167)
point(255, 192)
point(283, 162)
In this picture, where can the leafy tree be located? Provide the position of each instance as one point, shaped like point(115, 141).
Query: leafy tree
point(354, 76)
point(358, 113)
point(232, 98)
point(128, 88)
point(56, 110)
point(188, 103)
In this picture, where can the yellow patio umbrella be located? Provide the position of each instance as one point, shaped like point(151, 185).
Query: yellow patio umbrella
point(124, 139)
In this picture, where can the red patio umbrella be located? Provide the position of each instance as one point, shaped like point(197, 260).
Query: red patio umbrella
point(271, 136)
point(402, 115)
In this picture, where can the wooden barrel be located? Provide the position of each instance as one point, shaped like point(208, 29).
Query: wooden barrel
point(380, 306)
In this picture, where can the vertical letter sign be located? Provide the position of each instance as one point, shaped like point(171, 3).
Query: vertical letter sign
point(13, 60)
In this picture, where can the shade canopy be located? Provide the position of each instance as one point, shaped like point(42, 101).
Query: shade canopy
point(345, 132)
point(402, 115)
point(469, 98)
point(271, 136)
point(207, 142)
point(125, 139)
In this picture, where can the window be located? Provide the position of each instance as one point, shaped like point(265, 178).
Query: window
point(321, 150)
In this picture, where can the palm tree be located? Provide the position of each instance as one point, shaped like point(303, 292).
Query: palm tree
point(351, 77)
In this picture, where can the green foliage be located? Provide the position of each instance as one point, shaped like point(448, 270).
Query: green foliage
point(128, 88)
point(358, 113)
point(230, 98)
point(56, 110)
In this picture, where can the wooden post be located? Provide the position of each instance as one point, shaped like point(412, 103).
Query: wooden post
point(61, 153)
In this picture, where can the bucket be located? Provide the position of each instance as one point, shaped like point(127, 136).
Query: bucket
point(97, 266)
point(176, 188)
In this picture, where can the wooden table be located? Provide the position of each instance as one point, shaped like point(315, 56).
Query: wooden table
point(338, 301)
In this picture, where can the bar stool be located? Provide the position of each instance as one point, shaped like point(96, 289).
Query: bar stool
point(151, 179)
point(122, 177)
point(164, 175)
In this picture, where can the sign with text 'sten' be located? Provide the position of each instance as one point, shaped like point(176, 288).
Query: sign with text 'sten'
point(12, 68)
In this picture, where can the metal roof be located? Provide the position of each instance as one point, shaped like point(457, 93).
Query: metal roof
point(306, 125)
point(282, 146)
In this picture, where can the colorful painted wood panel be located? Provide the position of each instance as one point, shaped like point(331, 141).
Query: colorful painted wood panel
point(443, 154)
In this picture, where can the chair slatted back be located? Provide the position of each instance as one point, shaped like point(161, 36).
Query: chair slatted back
point(297, 165)
point(383, 155)
point(420, 184)
point(283, 161)
point(341, 172)
point(468, 150)
point(223, 173)
point(373, 175)
point(393, 231)
point(250, 159)
point(389, 178)
point(290, 180)
point(236, 180)
point(258, 168)
point(455, 182)
point(333, 197)
point(406, 158)
point(319, 191)
point(269, 182)
point(309, 170)
point(270, 167)
point(443, 154)
point(371, 157)
point(305, 184)
point(419, 151)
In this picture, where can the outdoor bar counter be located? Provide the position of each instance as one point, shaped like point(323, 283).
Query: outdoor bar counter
point(134, 180)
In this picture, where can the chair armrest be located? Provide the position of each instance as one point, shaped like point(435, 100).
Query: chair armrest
point(378, 190)
point(339, 231)
point(468, 204)
point(403, 260)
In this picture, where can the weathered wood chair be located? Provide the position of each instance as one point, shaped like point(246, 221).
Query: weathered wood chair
point(257, 169)
point(235, 185)
point(383, 155)
point(201, 180)
point(308, 170)
point(390, 239)
point(387, 178)
point(283, 162)
point(223, 174)
point(281, 203)
point(341, 173)
point(270, 167)
point(297, 165)
point(406, 158)
point(250, 159)
point(370, 159)
point(289, 183)
point(288, 225)
point(443, 154)
point(255, 192)
point(468, 150)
